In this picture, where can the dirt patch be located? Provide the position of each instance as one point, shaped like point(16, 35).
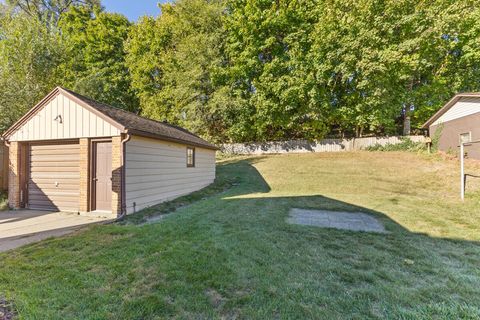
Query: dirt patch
point(7, 310)
point(215, 298)
point(158, 212)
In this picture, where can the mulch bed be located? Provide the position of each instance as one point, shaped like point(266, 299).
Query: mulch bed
point(6, 310)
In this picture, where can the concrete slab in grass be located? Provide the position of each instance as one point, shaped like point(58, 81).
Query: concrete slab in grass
point(355, 221)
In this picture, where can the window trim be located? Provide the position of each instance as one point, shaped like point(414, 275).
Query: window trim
point(465, 133)
point(191, 165)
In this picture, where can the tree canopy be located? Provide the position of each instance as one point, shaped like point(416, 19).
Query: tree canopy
point(247, 70)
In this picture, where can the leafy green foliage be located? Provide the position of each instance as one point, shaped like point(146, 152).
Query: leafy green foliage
point(267, 49)
point(406, 145)
point(3, 201)
point(172, 58)
point(29, 54)
point(94, 63)
point(436, 137)
point(83, 51)
point(49, 10)
point(248, 70)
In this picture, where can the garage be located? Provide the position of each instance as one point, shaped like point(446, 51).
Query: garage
point(54, 176)
point(73, 154)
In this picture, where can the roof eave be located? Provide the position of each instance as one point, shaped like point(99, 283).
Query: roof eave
point(92, 109)
point(447, 106)
point(55, 92)
point(167, 138)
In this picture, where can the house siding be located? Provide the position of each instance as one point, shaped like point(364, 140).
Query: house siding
point(156, 171)
point(449, 134)
point(77, 122)
point(464, 107)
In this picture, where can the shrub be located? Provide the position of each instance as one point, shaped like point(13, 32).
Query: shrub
point(405, 145)
point(3, 202)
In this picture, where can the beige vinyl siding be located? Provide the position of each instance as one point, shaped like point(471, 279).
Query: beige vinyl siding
point(54, 177)
point(77, 122)
point(157, 171)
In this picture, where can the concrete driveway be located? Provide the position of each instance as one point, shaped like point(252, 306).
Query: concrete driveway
point(18, 228)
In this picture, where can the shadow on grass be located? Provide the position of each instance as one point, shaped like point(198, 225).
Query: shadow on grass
point(238, 181)
point(408, 274)
point(231, 254)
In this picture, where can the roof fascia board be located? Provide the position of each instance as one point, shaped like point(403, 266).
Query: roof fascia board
point(82, 103)
point(53, 94)
point(165, 138)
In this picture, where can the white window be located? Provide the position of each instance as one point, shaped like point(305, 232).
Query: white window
point(465, 137)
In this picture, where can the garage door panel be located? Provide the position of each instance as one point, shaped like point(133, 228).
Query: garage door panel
point(52, 196)
point(54, 181)
point(49, 163)
point(44, 161)
point(58, 151)
point(58, 169)
point(56, 147)
point(57, 160)
point(48, 153)
point(52, 193)
point(48, 185)
point(65, 197)
point(47, 205)
point(51, 176)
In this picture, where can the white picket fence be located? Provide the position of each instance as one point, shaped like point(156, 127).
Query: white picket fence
point(304, 146)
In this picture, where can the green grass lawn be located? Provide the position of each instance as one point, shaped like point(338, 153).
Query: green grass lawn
point(232, 255)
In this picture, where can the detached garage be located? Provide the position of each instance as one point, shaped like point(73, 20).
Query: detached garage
point(70, 153)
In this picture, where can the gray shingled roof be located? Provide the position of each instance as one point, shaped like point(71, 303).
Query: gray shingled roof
point(140, 125)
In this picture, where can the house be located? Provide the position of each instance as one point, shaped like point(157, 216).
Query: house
point(70, 153)
point(457, 121)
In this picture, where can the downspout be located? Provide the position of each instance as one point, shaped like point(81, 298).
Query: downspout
point(123, 199)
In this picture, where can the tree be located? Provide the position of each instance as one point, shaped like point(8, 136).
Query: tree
point(83, 52)
point(172, 60)
point(94, 58)
point(355, 57)
point(49, 11)
point(267, 49)
point(439, 59)
point(29, 54)
point(381, 60)
point(245, 70)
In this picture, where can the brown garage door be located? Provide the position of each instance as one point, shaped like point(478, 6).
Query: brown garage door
point(54, 181)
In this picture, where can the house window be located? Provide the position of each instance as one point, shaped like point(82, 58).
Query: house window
point(190, 157)
point(465, 137)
